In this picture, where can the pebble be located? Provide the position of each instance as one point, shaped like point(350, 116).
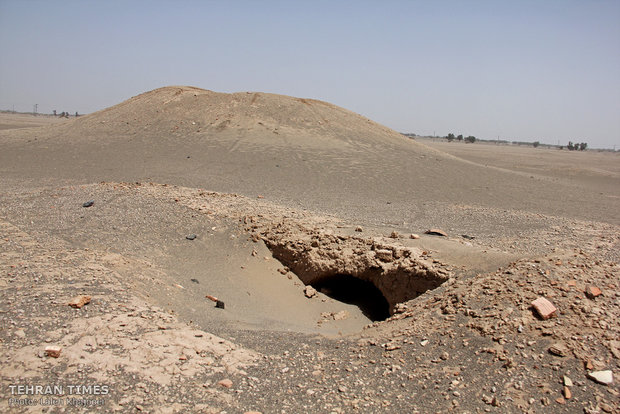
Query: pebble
point(190, 237)
point(309, 291)
point(79, 301)
point(226, 383)
point(53, 351)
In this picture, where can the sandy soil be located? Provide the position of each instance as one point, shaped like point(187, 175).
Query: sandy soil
point(9, 120)
point(283, 194)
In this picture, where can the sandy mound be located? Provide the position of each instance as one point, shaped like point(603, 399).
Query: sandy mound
point(295, 151)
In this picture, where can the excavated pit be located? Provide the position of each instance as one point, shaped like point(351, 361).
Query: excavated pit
point(374, 274)
point(354, 291)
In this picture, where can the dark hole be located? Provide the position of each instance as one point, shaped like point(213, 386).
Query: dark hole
point(354, 291)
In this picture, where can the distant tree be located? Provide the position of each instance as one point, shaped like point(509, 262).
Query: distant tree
point(471, 139)
point(583, 146)
point(450, 137)
point(536, 144)
point(460, 137)
point(54, 112)
point(570, 146)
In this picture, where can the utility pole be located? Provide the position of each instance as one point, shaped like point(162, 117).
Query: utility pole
point(34, 111)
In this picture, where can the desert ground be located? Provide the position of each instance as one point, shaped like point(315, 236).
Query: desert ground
point(253, 252)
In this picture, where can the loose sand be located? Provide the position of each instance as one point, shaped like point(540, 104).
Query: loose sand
point(281, 192)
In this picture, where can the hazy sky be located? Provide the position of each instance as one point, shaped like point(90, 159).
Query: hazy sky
point(540, 70)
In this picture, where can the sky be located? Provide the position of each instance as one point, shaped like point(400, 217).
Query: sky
point(545, 71)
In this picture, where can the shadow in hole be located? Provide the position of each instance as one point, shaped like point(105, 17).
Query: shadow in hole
point(354, 291)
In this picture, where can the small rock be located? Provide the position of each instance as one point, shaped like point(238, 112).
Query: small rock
point(559, 349)
point(444, 356)
point(593, 292)
point(560, 400)
point(53, 351)
point(394, 235)
point(20, 333)
point(79, 301)
point(384, 255)
point(219, 304)
point(400, 308)
point(139, 407)
point(606, 407)
point(195, 281)
point(359, 229)
point(468, 237)
point(341, 315)
point(190, 237)
point(544, 308)
point(89, 203)
point(414, 236)
point(424, 342)
point(309, 291)
point(602, 377)
point(567, 381)
point(436, 232)
point(226, 383)
point(567, 394)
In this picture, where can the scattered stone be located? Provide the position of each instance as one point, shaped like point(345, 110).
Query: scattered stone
point(593, 292)
point(359, 229)
point(53, 351)
point(309, 291)
point(226, 383)
point(139, 407)
point(559, 349)
point(400, 308)
point(195, 281)
point(89, 203)
point(338, 316)
point(414, 236)
point(444, 355)
point(567, 381)
point(283, 271)
point(468, 237)
point(560, 400)
point(190, 237)
point(394, 235)
point(219, 304)
point(606, 407)
point(424, 342)
point(567, 394)
point(544, 308)
point(602, 377)
point(79, 301)
point(436, 232)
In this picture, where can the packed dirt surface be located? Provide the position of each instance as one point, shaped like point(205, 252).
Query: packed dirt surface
point(191, 251)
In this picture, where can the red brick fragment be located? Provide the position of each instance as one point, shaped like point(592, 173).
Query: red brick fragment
point(593, 291)
point(544, 308)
